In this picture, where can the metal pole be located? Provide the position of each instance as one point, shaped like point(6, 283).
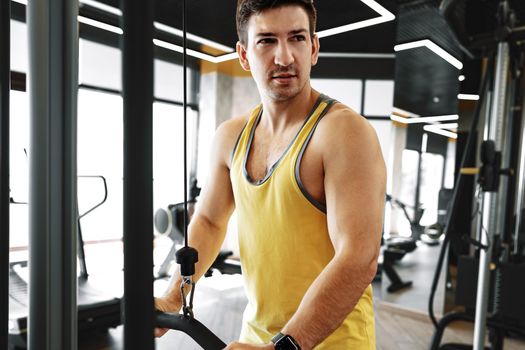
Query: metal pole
point(196, 125)
point(493, 131)
point(137, 90)
point(53, 81)
point(521, 182)
point(444, 174)
point(418, 181)
point(5, 84)
point(507, 140)
point(420, 152)
point(195, 149)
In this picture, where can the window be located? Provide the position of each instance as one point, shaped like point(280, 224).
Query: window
point(379, 97)
point(19, 47)
point(431, 174)
point(431, 179)
point(168, 155)
point(99, 65)
point(19, 173)
point(100, 152)
point(345, 91)
point(384, 130)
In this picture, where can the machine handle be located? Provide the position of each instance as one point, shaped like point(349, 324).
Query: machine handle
point(193, 328)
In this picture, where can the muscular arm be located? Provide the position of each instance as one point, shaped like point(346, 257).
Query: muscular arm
point(354, 188)
point(207, 229)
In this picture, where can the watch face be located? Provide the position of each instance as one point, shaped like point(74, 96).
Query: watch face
point(286, 343)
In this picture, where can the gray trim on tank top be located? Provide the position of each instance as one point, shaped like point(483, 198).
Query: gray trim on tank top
point(317, 204)
point(237, 142)
point(269, 173)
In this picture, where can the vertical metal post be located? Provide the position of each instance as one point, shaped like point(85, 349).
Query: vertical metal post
point(507, 140)
point(195, 76)
point(363, 95)
point(53, 83)
point(418, 181)
point(195, 149)
point(137, 89)
point(521, 182)
point(445, 168)
point(423, 149)
point(493, 131)
point(5, 84)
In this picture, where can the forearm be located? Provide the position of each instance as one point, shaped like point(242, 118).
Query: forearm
point(329, 300)
point(207, 240)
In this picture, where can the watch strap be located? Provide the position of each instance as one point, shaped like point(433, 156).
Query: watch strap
point(277, 337)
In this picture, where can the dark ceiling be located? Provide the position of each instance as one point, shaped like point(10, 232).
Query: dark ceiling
point(215, 20)
point(217, 23)
point(425, 83)
point(421, 77)
point(415, 20)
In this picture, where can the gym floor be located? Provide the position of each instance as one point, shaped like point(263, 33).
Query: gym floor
point(419, 267)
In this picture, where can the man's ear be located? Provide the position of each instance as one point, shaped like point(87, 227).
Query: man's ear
point(316, 46)
point(243, 56)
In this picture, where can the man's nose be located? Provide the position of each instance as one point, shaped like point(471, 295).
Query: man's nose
point(283, 55)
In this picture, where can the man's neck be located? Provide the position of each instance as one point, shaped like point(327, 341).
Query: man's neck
point(278, 115)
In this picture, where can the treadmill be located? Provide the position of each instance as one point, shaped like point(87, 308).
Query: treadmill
point(97, 311)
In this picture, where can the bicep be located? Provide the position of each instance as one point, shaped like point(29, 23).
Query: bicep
point(355, 180)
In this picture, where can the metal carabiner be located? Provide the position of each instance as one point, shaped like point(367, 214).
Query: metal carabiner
point(187, 310)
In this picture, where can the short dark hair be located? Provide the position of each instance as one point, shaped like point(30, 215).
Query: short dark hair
point(247, 8)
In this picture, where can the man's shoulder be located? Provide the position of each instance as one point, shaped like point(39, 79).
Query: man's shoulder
point(232, 127)
point(345, 138)
point(226, 137)
point(341, 122)
point(340, 112)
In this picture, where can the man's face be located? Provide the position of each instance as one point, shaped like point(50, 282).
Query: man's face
point(279, 51)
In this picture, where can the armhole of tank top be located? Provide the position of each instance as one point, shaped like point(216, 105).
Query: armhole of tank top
point(242, 131)
point(308, 196)
point(237, 143)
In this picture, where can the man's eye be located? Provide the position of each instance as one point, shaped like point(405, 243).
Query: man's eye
point(299, 38)
point(266, 41)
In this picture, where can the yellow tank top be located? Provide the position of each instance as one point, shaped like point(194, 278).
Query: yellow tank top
point(284, 242)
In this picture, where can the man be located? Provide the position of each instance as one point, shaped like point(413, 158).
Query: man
point(307, 179)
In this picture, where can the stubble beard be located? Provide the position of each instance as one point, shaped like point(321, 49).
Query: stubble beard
point(282, 94)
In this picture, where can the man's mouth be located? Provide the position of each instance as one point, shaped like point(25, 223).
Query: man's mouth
point(283, 77)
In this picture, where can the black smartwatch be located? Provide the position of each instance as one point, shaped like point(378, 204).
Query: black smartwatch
point(285, 342)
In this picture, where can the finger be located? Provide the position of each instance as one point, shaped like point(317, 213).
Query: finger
point(159, 332)
point(157, 304)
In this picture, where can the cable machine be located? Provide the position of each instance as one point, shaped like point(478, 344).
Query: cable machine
point(499, 262)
